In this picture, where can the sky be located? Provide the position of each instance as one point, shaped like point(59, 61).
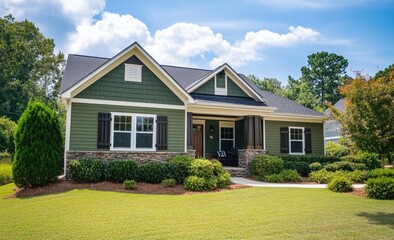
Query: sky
point(267, 38)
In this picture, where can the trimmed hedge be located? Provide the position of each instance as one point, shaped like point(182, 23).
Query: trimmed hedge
point(302, 168)
point(340, 184)
point(284, 176)
point(387, 172)
point(121, 170)
point(86, 170)
point(263, 165)
point(345, 166)
point(371, 160)
point(380, 188)
point(153, 172)
point(324, 176)
point(302, 163)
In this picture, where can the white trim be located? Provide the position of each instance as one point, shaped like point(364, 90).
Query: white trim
point(67, 136)
point(221, 91)
point(332, 138)
point(201, 122)
point(185, 128)
point(217, 118)
point(133, 132)
point(303, 140)
point(127, 104)
point(294, 118)
point(136, 67)
point(135, 45)
point(226, 124)
point(264, 131)
point(244, 86)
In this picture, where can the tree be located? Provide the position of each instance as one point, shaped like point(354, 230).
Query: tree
point(29, 68)
point(38, 147)
point(268, 84)
point(7, 129)
point(324, 74)
point(369, 117)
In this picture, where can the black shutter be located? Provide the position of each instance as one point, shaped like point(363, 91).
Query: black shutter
point(284, 140)
point(308, 140)
point(104, 130)
point(161, 133)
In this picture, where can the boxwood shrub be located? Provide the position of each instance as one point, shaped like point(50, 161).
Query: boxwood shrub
point(263, 165)
point(301, 167)
point(120, 170)
point(316, 166)
point(324, 176)
point(340, 184)
point(380, 188)
point(379, 172)
point(86, 170)
point(345, 166)
point(152, 172)
point(284, 176)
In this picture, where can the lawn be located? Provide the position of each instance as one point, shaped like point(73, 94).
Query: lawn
point(251, 213)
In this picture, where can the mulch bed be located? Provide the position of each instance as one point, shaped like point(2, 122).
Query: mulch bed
point(359, 192)
point(142, 188)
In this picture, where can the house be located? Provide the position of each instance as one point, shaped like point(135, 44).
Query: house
point(332, 126)
point(130, 106)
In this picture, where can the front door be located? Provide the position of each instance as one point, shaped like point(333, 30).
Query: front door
point(198, 139)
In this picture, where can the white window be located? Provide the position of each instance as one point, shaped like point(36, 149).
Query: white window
point(133, 72)
point(133, 132)
point(227, 136)
point(296, 140)
point(221, 84)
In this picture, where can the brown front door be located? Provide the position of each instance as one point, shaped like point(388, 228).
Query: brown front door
point(198, 139)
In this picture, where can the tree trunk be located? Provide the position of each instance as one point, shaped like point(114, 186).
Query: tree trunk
point(382, 160)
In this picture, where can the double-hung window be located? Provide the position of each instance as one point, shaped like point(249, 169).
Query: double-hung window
point(296, 140)
point(133, 131)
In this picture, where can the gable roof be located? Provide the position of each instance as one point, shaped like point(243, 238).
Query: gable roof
point(79, 67)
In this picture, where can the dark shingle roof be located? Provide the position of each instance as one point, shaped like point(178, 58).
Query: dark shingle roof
point(79, 66)
point(227, 99)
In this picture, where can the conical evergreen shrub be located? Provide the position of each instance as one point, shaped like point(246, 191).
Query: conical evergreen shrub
point(38, 147)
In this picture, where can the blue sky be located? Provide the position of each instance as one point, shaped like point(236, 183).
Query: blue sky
point(270, 38)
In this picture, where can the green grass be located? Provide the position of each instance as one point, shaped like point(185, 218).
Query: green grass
point(5, 173)
point(253, 213)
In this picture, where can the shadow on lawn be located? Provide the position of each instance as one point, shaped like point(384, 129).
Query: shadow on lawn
point(379, 218)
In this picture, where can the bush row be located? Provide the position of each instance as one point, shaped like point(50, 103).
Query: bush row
point(380, 188)
point(95, 170)
point(271, 169)
point(324, 176)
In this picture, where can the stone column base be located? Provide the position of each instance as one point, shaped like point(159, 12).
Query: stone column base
point(245, 156)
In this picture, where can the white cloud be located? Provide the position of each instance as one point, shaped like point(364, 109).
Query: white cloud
point(103, 33)
point(107, 36)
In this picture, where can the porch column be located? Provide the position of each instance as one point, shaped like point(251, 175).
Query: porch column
point(253, 131)
point(189, 126)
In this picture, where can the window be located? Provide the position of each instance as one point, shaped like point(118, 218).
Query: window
point(221, 84)
point(296, 139)
point(226, 138)
point(133, 131)
point(133, 72)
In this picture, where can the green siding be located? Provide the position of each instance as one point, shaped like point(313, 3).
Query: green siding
point(234, 90)
point(273, 135)
point(207, 88)
point(83, 135)
point(112, 86)
point(211, 145)
point(220, 81)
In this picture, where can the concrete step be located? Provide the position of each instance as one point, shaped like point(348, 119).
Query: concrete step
point(237, 171)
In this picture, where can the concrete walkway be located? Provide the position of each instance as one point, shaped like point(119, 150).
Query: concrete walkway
point(248, 182)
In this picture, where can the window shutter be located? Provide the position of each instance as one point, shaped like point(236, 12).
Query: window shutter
point(161, 133)
point(308, 140)
point(284, 140)
point(104, 130)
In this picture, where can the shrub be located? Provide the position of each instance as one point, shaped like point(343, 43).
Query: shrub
point(301, 167)
point(169, 182)
point(86, 170)
point(195, 183)
point(7, 130)
point(217, 166)
point(358, 176)
point(371, 160)
point(121, 170)
point(309, 159)
point(336, 150)
point(322, 176)
point(263, 165)
point(202, 168)
point(344, 166)
point(316, 166)
point(153, 172)
point(38, 147)
point(5, 173)
point(380, 188)
point(185, 160)
point(223, 179)
point(387, 172)
point(340, 184)
point(290, 176)
point(273, 178)
point(129, 184)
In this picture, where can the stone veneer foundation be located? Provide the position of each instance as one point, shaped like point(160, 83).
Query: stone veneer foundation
point(245, 156)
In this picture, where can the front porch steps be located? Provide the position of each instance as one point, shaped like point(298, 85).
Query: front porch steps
point(237, 171)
